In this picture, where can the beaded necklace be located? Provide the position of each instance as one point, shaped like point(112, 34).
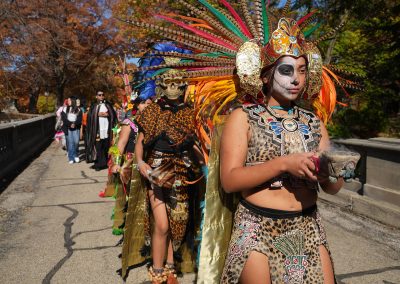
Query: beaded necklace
point(289, 110)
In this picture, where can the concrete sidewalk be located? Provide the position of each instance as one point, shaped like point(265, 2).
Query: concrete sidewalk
point(55, 229)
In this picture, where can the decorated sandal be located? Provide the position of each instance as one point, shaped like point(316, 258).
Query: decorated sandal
point(172, 277)
point(157, 275)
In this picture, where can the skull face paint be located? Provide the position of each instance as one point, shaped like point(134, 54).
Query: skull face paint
point(289, 78)
point(174, 88)
point(171, 88)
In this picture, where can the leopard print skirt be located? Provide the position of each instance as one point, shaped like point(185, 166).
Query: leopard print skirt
point(176, 198)
point(290, 240)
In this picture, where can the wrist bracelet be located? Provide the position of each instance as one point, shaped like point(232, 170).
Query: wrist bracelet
point(116, 159)
point(139, 163)
point(116, 156)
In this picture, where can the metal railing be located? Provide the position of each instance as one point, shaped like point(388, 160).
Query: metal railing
point(20, 140)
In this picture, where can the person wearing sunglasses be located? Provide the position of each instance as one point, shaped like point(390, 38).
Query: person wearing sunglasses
point(100, 121)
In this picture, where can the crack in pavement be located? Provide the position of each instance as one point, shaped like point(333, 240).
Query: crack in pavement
point(91, 231)
point(68, 243)
point(83, 174)
point(95, 248)
point(62, 185)
point(74, 203)
point(68, 239)
point(84, 177)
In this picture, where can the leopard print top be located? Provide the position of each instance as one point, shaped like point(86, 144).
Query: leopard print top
point(157, 121)
point(273, 135)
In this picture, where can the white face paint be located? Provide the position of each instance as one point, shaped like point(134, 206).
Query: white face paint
point(289, 78)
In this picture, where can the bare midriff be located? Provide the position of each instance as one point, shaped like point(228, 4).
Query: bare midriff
point(282, 198)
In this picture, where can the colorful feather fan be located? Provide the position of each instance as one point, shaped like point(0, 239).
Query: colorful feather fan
point(208, 44)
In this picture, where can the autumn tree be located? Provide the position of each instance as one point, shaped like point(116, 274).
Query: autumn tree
point(54, 45)
point(368, 45)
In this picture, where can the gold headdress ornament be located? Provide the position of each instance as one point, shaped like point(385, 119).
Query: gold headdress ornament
point(229, 48)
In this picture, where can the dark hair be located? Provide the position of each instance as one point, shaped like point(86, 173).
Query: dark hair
point(267, 72)
point(72, 108)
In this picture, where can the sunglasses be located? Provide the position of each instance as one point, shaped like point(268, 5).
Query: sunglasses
point(100, 95)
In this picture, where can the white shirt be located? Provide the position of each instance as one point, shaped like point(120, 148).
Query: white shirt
point(71, 117)
point(103, 122)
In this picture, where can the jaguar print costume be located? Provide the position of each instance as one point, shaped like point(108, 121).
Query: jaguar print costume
point(273, 135)
point(290, 240)
point(177, 198)
point(162, 119)
point(291, 245)
point(173, 125)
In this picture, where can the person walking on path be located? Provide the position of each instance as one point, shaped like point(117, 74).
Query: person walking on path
point(72, 120)
point(100, 121)
point(60, 135)
point(157, 219)
point(121, 164)
point(83, 130)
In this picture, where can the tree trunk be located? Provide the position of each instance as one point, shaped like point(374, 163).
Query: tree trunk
point(60, 94)
point(328, 54)
point(33, 98)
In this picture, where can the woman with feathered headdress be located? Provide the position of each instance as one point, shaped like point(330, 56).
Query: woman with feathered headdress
point(270, 146)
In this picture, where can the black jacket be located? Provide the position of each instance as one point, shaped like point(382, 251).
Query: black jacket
point(67, 124)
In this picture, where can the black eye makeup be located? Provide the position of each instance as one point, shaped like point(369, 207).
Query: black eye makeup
point(286, 69)
point(303, 70)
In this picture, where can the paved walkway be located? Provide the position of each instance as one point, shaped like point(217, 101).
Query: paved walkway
point(55, 229)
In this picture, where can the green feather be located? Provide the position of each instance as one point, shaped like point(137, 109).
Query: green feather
point(115, 191)
point(265, 21)
point(117, 231)
point(158, 72)
point(211, 54)
point(309, 31)
point(224, 20)
point(217, 54)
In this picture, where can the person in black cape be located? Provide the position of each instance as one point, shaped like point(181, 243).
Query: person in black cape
point(100, 121)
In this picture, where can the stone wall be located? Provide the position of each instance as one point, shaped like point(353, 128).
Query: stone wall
point(7, 117)
point(375, 192)
point(20, 140)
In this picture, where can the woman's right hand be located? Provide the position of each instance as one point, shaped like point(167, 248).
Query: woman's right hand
point(144, 169)
point(115, 169)
point(301, 165)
